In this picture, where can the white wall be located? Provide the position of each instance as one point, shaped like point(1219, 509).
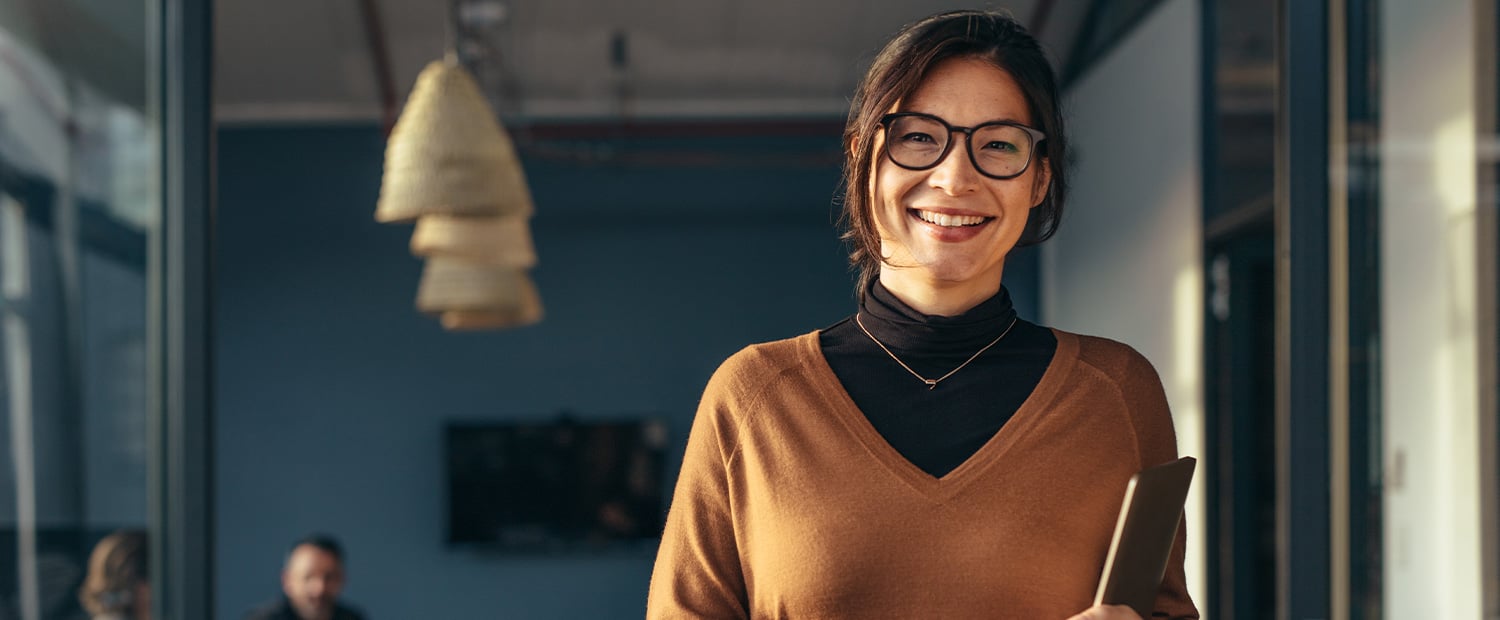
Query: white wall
point(1126, 263)
point(1428, 303)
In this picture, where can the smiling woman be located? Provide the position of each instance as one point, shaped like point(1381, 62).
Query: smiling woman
point(947, 222)
point(933, 455)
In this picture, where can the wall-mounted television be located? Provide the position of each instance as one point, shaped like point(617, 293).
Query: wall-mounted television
point(557, 485)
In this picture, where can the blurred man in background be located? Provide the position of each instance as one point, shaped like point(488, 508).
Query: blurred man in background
point(310, 583)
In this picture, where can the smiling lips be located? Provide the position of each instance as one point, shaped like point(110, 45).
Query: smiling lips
point(949, 226)
point(944, 219)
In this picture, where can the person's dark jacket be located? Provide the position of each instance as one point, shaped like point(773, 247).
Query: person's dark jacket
point(282, 610)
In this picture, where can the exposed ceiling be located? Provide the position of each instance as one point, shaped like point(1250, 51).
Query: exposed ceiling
point(102, 42)
point(301, 60)
point(295, 60)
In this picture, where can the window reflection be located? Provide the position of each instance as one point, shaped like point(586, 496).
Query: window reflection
point(79, 200)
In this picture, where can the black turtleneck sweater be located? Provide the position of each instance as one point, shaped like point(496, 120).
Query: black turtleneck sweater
point(937, 429)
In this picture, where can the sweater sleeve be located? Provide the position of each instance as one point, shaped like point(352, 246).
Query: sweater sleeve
point(1157, 442)
point(698, 572)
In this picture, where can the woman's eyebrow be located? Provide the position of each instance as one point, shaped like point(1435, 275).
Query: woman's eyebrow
point(1005, 119)
point(1002, 119)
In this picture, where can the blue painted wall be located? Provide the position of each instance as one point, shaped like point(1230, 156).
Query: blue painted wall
point(332, 392)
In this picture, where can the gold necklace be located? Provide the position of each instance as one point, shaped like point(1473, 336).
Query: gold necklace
point(932, 383)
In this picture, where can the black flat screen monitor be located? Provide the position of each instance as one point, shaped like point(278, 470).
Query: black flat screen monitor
point(555, 486)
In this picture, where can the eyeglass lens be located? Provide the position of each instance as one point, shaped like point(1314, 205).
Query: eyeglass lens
point(918, 142)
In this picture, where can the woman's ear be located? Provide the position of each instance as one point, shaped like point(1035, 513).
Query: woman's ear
point(1043, 184)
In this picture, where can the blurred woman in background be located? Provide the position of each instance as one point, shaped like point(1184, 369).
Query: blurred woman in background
point(118, 586)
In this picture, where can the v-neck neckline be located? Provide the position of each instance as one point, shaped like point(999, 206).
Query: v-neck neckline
point(940, 489)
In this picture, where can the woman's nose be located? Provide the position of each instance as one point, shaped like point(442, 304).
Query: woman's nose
point(955, 174)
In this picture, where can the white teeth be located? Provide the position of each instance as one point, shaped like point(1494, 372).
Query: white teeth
point(943, 219)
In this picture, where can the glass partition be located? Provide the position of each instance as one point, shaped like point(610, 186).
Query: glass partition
point(1239, 243)
point(79, 206)
point(1429, 327)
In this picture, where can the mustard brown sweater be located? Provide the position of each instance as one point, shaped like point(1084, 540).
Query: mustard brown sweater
point(790, 505)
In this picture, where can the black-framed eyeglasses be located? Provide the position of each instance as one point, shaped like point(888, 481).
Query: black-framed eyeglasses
point(998, 150)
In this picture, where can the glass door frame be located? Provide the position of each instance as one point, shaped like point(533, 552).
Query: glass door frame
point(1303, 320)
point(1355, 413)
point(180, 261)
point(1487, 119)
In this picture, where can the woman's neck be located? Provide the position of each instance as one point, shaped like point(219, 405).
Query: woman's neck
point(937, 298)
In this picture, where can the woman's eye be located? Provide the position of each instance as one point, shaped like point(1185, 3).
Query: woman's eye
point(916, 137)
point(1005, 147)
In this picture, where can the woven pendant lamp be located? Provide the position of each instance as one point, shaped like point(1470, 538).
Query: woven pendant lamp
point(468, 320)
point(451, 168)
point(503, 241)
point(471, 295)
point(448, 155)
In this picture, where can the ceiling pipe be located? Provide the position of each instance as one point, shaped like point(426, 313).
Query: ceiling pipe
point(385, 79)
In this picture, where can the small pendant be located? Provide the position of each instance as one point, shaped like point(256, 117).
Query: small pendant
point(931, 383)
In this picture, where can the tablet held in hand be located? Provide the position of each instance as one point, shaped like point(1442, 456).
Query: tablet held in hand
point(1148, 522)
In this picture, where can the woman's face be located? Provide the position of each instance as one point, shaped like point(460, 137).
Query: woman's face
point(950, 226)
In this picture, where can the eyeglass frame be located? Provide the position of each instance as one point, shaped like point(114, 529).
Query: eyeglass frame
point(1037, 137)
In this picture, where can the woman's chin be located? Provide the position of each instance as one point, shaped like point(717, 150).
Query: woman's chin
point(947, 274)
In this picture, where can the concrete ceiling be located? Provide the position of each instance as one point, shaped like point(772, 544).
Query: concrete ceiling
point(295, 60)
point(101, 42)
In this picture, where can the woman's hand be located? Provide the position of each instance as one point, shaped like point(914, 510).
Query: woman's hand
point(1107, 612)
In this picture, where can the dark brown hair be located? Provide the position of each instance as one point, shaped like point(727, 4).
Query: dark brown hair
point(897, 72)
point(323, 542)
point(116, 566)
